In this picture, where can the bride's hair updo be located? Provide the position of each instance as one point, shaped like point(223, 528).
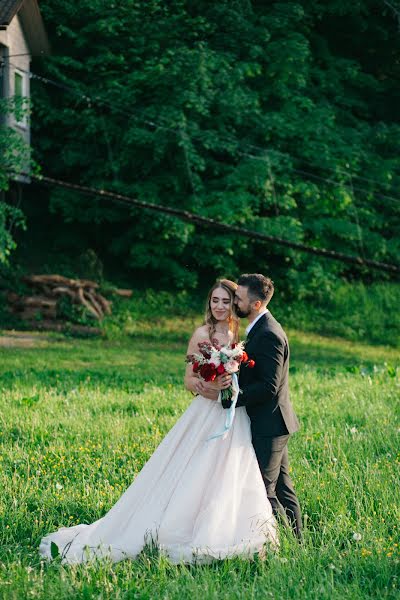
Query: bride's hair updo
point(233, 321)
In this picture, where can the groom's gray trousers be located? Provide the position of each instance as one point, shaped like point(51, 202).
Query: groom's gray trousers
point(272, 456)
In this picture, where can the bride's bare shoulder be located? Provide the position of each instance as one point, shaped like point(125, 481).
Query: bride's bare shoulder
point(199, 335)
point(201, 331)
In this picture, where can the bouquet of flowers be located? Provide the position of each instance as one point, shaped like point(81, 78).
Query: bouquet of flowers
point(213, 360)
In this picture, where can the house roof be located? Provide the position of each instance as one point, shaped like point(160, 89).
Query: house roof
point(8, 8)
point(31, 22)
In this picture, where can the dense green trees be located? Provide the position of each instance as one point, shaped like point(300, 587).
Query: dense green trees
point(15, 156)
point(280, 116)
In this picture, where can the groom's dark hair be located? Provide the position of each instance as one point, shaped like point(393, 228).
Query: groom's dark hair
point(259, 287)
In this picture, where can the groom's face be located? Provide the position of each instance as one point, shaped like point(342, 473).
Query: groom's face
point(242, 302)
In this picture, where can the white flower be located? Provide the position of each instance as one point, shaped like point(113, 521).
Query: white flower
point(233, 352)
point(353, 430)
point(59, 486)
point(228, 351)
point(357, 537)
point(215, 358)
point(334, 459)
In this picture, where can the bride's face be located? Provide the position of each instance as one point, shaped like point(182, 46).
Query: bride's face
point(220, 304)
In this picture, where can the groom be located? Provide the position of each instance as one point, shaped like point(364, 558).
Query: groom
point(265, 394)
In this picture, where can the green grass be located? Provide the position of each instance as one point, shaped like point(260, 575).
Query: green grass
point(350, 310)
point(79, 418)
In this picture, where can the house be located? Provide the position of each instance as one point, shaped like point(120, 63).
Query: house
point(22, 37)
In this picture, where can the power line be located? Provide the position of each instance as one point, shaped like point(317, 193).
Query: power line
point(178, 131)
point(218, 225)
point(324, 179)
point(21, 54)
point(94, 100)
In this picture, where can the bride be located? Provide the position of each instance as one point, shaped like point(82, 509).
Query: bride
point(196, 499)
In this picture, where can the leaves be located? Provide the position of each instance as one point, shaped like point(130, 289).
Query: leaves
point(236, 111)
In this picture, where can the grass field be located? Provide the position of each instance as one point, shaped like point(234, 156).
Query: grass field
point(79, 418)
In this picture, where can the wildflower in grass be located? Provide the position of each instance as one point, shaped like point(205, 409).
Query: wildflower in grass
point(354, 430)
point(59, 486)
point(357, 537)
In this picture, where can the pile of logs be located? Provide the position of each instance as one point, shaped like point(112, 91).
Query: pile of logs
point(47, 290)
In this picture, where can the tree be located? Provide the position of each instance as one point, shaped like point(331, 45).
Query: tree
point(280, 116)
point(15, 158)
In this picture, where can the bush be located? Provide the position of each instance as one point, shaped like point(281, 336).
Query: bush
point(353, 311)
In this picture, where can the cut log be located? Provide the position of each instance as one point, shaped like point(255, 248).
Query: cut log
point(32, 312)
point(59, 291)
point(37, 302)
point(96, 305)
point(20, 302)
point(123, 293)
point(90, 308)
point(57, 280)
point(106, 304)
point(51, 288)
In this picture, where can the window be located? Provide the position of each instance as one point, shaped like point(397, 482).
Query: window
point(2, 69)
point(20, 112)
point(18, 80)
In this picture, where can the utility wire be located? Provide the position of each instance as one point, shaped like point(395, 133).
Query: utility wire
point(202, 220)
point(13, 55)
point(177, 131)
point(324, 179)
point(218, 225)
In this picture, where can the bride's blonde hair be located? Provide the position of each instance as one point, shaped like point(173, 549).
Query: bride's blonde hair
point(233, 321)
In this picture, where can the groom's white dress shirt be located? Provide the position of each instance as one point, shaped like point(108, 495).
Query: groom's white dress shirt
point(251, 325)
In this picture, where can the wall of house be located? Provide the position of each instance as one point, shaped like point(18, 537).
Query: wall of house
point(13, 42)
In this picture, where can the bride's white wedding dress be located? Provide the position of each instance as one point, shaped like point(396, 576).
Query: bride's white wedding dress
point(198, 500)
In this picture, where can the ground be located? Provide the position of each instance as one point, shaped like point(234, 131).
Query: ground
point(79, 418)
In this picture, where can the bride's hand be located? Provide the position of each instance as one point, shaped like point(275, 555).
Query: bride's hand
point(201, 387)
point(220, 383)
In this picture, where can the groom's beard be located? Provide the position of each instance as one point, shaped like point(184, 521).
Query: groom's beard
point(242, 314)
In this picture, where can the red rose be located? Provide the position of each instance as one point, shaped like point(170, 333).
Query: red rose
point(196, 367)
point(220, 369)
point(233, 346)
point(208, 372)
point(251, 364)
point(244, 358)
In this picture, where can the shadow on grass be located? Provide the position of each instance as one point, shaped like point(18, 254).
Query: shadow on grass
point(324, 353)
point(152, 357)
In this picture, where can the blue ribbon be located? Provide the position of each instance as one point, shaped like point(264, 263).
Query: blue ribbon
point(230, 411)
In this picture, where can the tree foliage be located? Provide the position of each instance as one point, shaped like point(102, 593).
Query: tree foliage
point(278, 116)
point(14, 158)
